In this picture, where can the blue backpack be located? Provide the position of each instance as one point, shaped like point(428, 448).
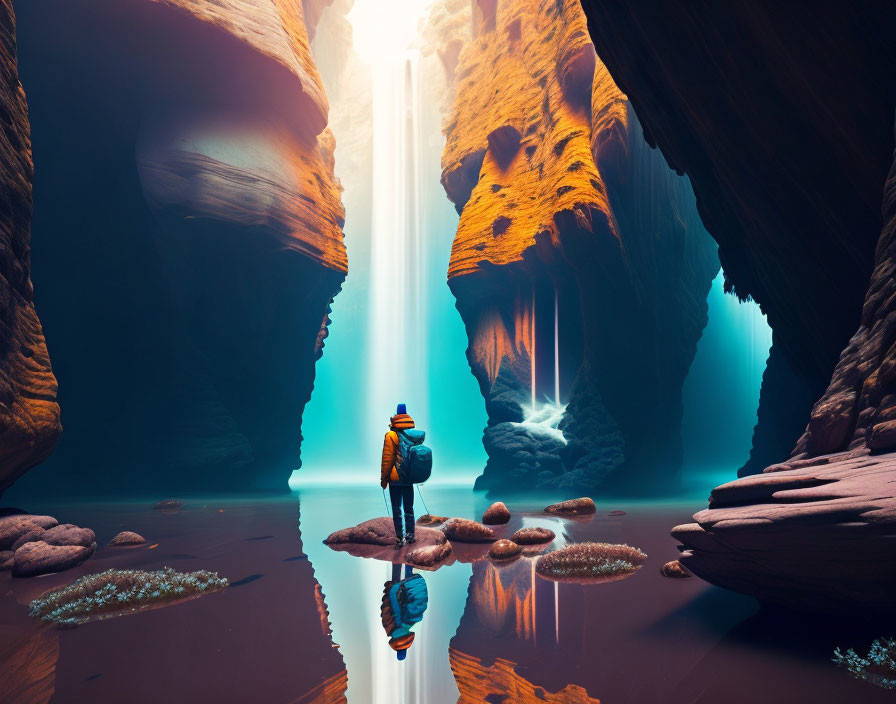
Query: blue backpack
point(416, 458)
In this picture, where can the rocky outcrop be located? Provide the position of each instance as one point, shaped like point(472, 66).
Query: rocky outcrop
point(38, 558)
point(380, 531)
point(13, 527)
point(533, 536)
point(29, 414)
point(573, 507)
point(127, 537)
point(799, 240)
point(188, 234)
point(463, 530)
point(811, 537)
point(580, 267)
point(504, 550)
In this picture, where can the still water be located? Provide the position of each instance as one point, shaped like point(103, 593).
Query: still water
point(301, 623)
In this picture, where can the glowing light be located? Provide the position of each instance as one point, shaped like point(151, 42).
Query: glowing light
point(384, 29)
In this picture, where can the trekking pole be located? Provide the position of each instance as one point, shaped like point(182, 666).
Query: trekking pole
point(388, 511)
point(421, 499)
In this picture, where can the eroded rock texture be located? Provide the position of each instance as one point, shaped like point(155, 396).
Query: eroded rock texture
point(580, 266)
point(29, 414)
point(781, 114)
point(188, 234)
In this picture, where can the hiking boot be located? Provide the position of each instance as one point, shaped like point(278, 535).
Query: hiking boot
point(409, 539)
point(399, 544)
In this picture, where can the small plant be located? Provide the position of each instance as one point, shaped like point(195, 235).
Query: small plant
point(877, 667)
point(115, 592)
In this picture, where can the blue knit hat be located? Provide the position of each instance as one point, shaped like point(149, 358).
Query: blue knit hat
point(402, 409)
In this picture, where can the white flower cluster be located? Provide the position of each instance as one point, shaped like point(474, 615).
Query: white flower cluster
point(120, 591)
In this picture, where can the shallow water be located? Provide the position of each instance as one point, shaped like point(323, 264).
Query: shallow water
point(301, 622)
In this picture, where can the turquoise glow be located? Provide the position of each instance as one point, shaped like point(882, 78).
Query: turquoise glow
point(721, 392)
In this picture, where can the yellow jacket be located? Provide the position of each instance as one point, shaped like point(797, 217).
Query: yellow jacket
point(391, 459)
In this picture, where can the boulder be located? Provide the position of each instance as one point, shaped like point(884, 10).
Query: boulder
point(616, 513)
point(429, 520)
point(674, 570)
point(13, 527)
point(504, 550)
point(574, 507)
point(496, 514)
point(465, 531)
point(6, 559)
point(31, 536)
point(379, 531)
point(68, 534)
point(168, 504)
point(42, 558)
point(533, 536)
point(430, 555)
point(127, 537)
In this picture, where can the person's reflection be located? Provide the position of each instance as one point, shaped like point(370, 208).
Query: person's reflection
point(404, 601)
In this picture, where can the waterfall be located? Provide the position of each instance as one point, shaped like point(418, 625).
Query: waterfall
point(556, 347)
point(397, 363)
point(532, 348)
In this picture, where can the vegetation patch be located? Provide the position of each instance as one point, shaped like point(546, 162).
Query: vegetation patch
point(119, 592)
point(877, 667)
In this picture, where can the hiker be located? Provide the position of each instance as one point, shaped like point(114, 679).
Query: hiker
point(400, 493)
point(404, 601)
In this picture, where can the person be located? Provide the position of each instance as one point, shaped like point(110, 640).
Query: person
point(404, 601)
point(400, 494)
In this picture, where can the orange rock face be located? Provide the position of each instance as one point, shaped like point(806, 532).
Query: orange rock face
point(573, 239)
point(29, 414)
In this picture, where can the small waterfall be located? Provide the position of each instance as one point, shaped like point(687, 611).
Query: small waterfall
point(532, 348)
point(556, 347)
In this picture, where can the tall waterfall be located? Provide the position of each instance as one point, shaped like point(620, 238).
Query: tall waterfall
point(397, 369)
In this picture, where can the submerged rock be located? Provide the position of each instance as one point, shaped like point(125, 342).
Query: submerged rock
point(533, 536)
point(429, 520)
point(504, 550)
point(168, 504)
point(68, 534)
point(42, 558)
point(590, 562)
point(127, 537)
point(119, 592)
point(496, 514)
point(674, 570)
point(430, 555)
point(467, 531)
point(573, 507)
point(13, 527)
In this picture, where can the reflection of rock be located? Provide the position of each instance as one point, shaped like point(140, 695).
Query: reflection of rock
point(674, 570)
point(504, 550)
point(496, 514)
point(28, 668)
point(463, 530)
point(533, 536)
point(42, 558)
point(13, 527)
point(429, 556)
point(815, 537)
point(500, 682)
point(590, 562)
point(127, 537)
point(573, 507)
point(29, 414)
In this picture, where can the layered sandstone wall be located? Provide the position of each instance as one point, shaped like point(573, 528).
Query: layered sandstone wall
point(564, 208)
point(188, 210)
point(29, 414)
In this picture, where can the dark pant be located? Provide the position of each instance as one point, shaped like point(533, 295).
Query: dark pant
point(402, 495)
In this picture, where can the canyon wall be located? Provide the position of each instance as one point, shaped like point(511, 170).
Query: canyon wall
point(29, 414)
point(187, 238)
point(782, 116)
point(580, 265)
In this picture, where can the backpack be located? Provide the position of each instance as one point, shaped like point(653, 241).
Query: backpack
point(416, 458)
